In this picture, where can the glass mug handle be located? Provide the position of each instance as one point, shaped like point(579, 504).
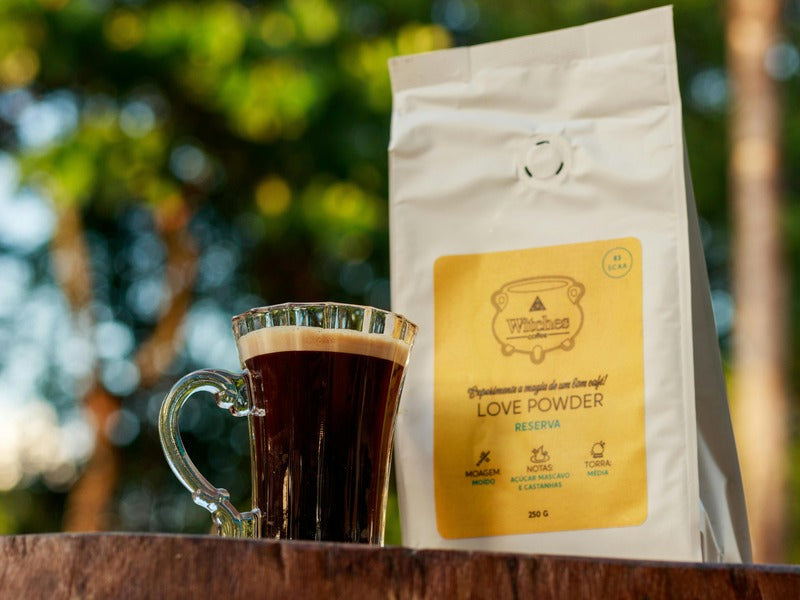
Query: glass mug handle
point(230, 393)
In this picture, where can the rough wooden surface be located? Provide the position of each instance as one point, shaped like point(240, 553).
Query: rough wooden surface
point(167, 566)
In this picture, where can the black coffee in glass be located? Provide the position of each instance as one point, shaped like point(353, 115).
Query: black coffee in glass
point(324, 404)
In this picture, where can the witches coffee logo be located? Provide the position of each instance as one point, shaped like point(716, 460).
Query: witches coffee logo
point(559, 317)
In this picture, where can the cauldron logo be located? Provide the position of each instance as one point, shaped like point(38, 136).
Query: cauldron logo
point(537, 315)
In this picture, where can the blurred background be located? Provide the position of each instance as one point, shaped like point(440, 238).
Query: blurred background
point(167, 164)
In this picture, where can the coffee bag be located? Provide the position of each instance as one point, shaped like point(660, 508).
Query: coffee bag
point(566, 395)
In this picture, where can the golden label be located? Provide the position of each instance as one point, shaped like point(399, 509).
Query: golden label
point(539, 390)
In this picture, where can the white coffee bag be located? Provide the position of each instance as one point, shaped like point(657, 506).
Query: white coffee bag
point(566, 394)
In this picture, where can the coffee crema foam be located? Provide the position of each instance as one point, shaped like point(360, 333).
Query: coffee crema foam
point(288, 338)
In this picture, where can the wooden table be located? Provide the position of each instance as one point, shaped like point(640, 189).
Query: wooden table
point(170, 566)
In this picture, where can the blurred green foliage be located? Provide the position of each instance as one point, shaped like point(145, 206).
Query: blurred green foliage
point(267, 124)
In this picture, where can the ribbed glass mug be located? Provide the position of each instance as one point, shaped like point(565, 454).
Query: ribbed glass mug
point(320, 388)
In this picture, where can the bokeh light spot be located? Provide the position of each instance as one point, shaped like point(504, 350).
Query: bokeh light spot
point(709, 89)
point(114, 340)
point(122, 427)
point(782, 61)
point(458, 15)
point(209, 338)
point(273, 196)
point(318, 20)
point(137, 119)
point(754, 157)
point(218, 265)
point(145, 296)
point(76, 356)
point(416, 38)
point(41, 123)
point(26, 222)
point(189, 163)
point(722, 303)
point(277, 29)
point(124, 29)
point(19, 67)
point(15, 278)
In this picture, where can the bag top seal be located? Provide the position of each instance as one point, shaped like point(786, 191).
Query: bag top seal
point(646, 28)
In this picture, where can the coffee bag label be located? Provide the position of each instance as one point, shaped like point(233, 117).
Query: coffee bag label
point(539, 390)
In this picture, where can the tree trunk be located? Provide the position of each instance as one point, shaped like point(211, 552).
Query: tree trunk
point(88, 504)
point(760, 393)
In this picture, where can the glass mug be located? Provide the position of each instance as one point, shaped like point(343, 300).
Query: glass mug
point(320, 388)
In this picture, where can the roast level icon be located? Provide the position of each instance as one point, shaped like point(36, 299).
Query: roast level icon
point(598, 449)
point(537, 315)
